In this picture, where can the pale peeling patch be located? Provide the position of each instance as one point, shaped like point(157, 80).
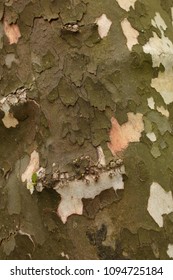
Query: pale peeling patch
point(9, 120)
point(101, 156)
point(73, 192)
point(172, 15)
point(31, 168)
point(104, 25)
point(158, 22)
point(170, 251)
point(12, 32)
point(161, 50)
point(65, 255)
point(126, 4)
point(14, 98)
point(5, 104)
point(160, 202)
point(9, 59)
point(151, 103)
point(130, 33)
point(151, 136)
point(163, 111)
point(164, 85)
point(121, 136)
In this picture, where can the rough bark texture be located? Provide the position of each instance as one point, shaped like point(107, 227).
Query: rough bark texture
point(86, 139)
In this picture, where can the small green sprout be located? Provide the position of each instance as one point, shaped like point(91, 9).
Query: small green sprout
point(34, 178)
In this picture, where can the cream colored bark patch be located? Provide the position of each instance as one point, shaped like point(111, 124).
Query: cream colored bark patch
point(163, 111)
point(12, 31)
point(104, 25)
point(126, 4)
point(31, 168)
point(164, 85)
point(151, 136)
point(151, 103)
point(130, 33)
point(9, 120)
point(121, 136)
point(101, 156)
point(170, 251)
point(160, 202)
point(161, 50)
point(74, 191)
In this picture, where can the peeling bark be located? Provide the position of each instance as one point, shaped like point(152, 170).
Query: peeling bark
point(86, 118)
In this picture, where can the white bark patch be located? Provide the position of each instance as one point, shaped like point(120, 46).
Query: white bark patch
point(160, 202)
point(170, 251)
point(31, 168)
point(104, 25)
point(130, 33)
point(74, 191)
point(158, 22)
point(164, 85)
point(101, 156)
point(163, 111)
point(161, 50)
point(126, 4)
point(151, 103)
point(151, 136)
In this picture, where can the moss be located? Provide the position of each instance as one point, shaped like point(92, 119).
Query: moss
point(34, 178)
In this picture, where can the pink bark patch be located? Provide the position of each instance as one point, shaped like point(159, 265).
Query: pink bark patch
point(122, 135)
point(12, 31)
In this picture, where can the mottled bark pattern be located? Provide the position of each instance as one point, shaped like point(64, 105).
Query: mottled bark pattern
point(86, 139)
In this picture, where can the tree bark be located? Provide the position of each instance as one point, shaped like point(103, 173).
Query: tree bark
point(86, 120)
